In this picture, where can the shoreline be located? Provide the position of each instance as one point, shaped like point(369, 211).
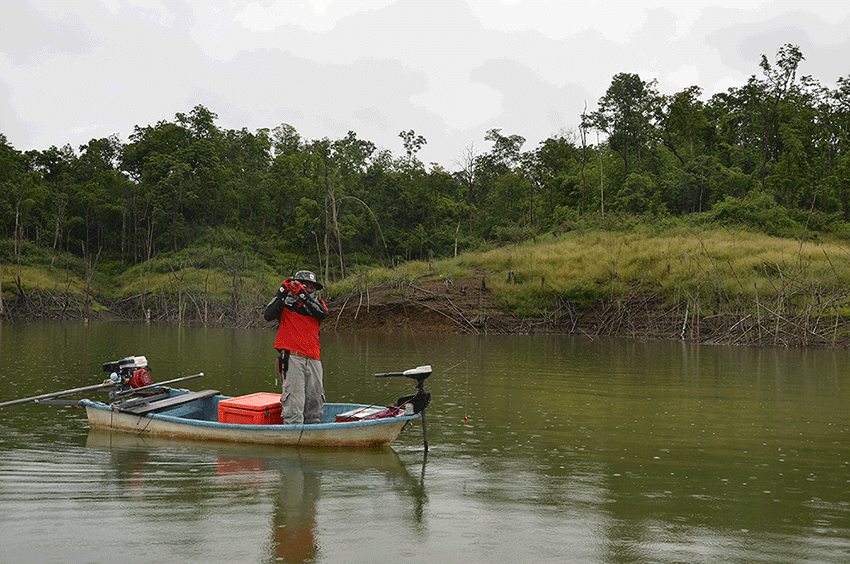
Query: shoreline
point(639, 317)
point(468, 307)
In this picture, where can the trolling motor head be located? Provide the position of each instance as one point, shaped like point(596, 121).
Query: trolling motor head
point(129, 372)
point(420, 374)
point(421, 398)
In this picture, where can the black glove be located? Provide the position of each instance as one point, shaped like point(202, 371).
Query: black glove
point(314, 307)
point(290, 301)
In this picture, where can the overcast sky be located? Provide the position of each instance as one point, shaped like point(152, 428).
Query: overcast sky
point(448, 69)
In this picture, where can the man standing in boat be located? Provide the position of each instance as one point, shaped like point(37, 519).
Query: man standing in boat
point(299, 311)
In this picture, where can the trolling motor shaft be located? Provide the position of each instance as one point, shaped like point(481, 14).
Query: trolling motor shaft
point(420, 399)
point(420, 374)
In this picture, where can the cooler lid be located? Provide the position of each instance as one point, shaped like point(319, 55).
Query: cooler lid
point(253, 402)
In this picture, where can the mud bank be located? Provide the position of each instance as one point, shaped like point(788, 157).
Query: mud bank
point(467, 306)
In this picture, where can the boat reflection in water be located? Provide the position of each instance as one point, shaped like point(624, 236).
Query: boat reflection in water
point(291, 489)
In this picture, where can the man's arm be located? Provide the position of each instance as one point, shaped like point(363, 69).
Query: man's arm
point(275, 307)
point(297, 299)
point(315, 307)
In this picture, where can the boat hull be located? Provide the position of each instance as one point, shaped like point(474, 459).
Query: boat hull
point(185, 422)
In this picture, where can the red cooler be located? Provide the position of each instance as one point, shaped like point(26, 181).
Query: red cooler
point(262, 408)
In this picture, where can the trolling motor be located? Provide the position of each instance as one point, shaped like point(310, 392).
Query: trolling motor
point(129, 373)
point(420, 400)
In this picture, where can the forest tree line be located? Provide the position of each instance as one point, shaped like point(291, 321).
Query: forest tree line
point(779, 143)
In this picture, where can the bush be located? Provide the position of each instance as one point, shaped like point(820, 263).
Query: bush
point(638, 195)
point(817, 220)
point(757, 211)
point(582, 295)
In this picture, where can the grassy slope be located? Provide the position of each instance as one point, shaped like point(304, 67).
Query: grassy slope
point(729, 265)
point(710, 285)
point(680, 265)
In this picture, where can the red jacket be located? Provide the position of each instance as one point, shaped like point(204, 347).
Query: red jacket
point(299, 333)
point(299, 317)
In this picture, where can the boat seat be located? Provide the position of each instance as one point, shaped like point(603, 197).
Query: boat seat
point(174, 401)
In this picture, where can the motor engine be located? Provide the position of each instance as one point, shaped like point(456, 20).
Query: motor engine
point(129, 372)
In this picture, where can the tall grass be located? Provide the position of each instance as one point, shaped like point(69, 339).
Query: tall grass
point(727, 265)
point(406, 273)
point(37, 278)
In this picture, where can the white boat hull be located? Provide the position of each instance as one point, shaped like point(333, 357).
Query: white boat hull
point(374, 432)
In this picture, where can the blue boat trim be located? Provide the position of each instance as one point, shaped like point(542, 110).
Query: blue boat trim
point(334, 409)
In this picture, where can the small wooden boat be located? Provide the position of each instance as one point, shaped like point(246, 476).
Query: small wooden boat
point(140, 407)
point(195, 415)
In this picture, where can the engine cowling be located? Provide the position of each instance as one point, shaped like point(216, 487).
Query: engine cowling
point(139, 378)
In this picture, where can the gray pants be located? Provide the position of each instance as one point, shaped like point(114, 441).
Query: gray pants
point(303, 395)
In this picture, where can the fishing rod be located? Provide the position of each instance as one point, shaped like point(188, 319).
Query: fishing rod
point(36, 399)
point(324, 211)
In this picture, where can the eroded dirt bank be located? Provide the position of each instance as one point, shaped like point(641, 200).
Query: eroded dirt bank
point(424, 306)
point(467, 306)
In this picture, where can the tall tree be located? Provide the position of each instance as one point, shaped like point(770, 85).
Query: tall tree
point(626, 114)
point(412, 143)
point(779, 80)
point(466, 176)
point(553, 168)
point(54, 166)
point(503, 156)
point(682, 123)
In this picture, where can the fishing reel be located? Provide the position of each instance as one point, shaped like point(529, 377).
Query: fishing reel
point(128, 373)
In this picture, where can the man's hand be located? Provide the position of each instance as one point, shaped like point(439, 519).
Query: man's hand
point(284, 286)
point(293, 286)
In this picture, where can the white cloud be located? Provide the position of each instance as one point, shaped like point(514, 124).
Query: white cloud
point(312, 15)
point(683, 77)
point(460, 104)
point(450, 70)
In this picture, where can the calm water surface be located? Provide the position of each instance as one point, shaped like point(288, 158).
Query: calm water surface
point(542, 449)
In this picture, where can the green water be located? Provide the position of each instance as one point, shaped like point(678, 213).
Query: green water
point(542, 449)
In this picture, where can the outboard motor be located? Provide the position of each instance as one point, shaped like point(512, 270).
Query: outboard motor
point(130, 372)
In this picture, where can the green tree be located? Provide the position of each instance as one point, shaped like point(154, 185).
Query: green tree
point(412, 143)
point(625, 114)
point(54, 167)
point(246, 160)
point(555, 170)
point(834, 142)
point(19, 194)
point(99, 189)
point(779, 80)
point(505, 154)
point(683, 124)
